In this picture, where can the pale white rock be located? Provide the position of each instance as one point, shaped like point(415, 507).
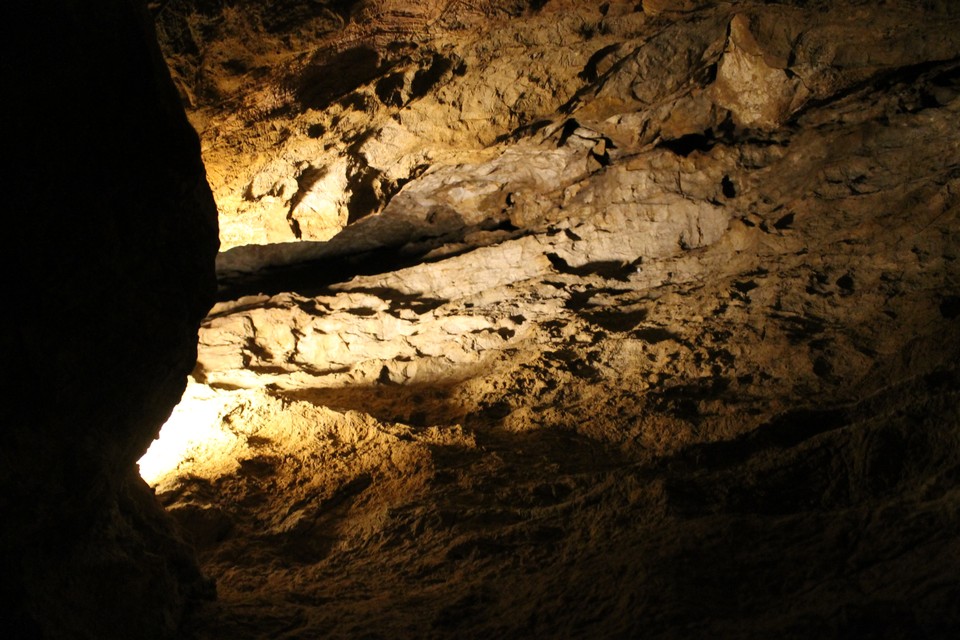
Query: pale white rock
point(473, 192)
point(320, 206)
point(757, 94)
point(395, 150)
point(466, 275)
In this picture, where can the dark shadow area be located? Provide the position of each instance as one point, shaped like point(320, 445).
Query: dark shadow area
point(610, 269)
point(334, 76)
point(427, 78)
point(313, 277)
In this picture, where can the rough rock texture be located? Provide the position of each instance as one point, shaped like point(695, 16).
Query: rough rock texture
point(645, 322)
point(110, 241)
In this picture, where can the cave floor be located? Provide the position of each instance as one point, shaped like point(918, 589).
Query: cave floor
point(813, 526)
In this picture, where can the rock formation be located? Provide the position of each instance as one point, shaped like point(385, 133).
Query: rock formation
point(546, 319)
point(111, 237)
point(568, 319)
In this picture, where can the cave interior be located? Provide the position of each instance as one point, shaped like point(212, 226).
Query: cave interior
point(491, 319)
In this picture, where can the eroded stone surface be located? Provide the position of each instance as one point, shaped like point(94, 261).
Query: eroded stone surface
point(648, 326)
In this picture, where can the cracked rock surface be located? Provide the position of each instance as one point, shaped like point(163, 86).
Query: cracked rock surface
point(605, 319)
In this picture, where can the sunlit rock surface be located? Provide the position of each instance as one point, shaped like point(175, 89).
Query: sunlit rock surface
point(644, 324)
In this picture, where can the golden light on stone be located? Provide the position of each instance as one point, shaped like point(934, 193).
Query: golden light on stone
point(193, 433)
point(575, 305)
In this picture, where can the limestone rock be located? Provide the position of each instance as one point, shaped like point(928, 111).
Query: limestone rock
point(536, 319)
point(370, 96)
point(758, 95)
point(718, 352)
point(643, 323)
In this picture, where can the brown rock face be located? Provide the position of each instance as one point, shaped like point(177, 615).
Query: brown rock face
point(541, 318)
point(110, 271)
point(607, 320)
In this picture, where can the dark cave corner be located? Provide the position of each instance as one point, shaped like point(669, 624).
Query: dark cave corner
point(114, 255)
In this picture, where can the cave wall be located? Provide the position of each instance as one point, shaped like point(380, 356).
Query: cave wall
point(644, 324)
point(111, 269)
point(741, 419)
